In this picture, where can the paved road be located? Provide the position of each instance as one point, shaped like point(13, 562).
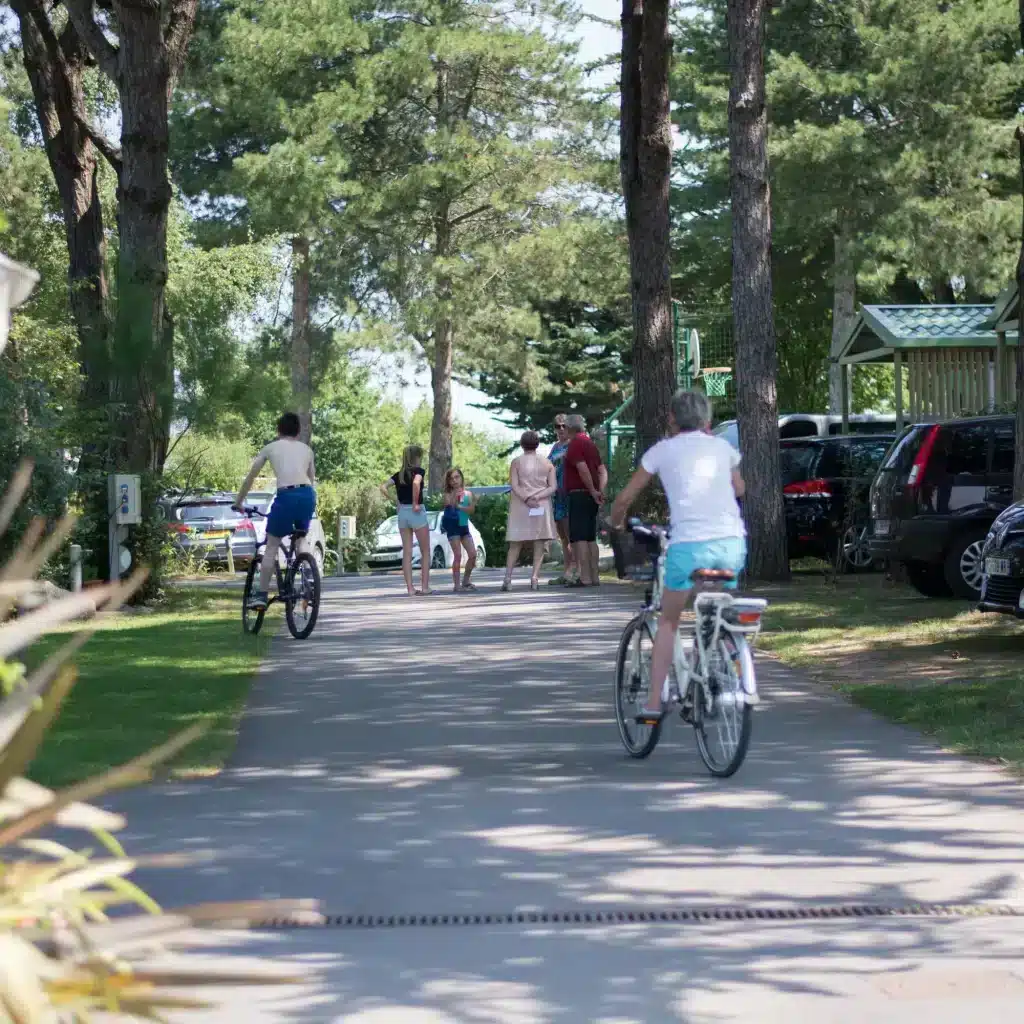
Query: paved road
point(457, 755)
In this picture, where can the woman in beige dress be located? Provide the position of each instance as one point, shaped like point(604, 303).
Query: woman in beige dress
point(529, 509)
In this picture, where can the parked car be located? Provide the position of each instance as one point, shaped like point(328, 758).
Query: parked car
point(1002, 585)
point(387, 553)
point(825, 485)
point(200, 523)
point(935, 498)
point(806, 424)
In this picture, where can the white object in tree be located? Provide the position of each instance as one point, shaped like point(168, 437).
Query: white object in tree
point(16, 284)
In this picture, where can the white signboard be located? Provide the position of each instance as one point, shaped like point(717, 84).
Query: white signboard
point(346, 527)
point(125, 499)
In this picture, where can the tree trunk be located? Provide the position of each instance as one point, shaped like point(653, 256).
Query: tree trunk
point(844, 302)
point(55, 66)
point(645, 153)
point(1018, 464)
point(443, 355)
point(441, 385)
point(145, 364)
point(302, 384)
point(753, 323)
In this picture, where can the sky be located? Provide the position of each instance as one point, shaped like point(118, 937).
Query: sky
point(402, 380)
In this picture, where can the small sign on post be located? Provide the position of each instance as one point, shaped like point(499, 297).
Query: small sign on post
point(124, 505)
point(346, 532)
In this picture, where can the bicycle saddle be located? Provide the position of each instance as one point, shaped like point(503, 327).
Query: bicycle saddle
point(723, 575)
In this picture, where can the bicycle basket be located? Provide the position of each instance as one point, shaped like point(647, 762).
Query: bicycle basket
point(633, 561)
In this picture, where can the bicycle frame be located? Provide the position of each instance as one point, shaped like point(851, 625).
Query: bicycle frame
point(739, 617)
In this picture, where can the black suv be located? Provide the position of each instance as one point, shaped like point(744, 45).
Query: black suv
point(935, 498)
point(1003, 587)
point(825, 484)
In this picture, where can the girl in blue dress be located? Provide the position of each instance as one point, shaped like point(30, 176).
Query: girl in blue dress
point(459, 504)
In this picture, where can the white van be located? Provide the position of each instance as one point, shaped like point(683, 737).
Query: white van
point(809, 424)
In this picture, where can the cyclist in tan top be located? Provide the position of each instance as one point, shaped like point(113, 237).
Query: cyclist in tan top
point(295, 502)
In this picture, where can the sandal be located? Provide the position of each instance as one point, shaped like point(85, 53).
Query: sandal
point(469, 586)
point(424, 593)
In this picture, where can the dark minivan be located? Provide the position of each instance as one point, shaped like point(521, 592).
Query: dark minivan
point(935, 498)
point(825, 484)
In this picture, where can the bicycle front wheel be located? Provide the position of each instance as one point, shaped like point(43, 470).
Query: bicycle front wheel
point(302, 595)
point(723, 726)
point(252, 620)
point(632, 685)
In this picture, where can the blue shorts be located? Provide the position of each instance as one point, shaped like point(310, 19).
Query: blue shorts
point(409, 520)
point(292, 510)
point(684, 557)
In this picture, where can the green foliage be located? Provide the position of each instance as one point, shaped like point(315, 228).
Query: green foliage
point(213, 462)
point(491, 519)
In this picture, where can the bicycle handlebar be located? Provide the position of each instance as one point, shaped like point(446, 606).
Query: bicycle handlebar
point(249, 510)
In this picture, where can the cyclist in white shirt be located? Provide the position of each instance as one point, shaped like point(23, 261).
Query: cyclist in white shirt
point(701, 479)
point(295, 501)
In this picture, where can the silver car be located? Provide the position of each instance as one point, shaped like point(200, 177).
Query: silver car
point(204, 527)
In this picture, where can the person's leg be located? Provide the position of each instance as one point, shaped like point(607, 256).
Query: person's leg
point(407, 557)
point(423, 539)
point(568, 561)
point(594, 553)
point(539, 547)
point(467, 543)
point(514, 548)
point(456, 542)
point(267, 567)
point(673, 604)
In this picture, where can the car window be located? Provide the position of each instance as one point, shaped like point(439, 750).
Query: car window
point(864, 458)
point(190, 512)
point(799, 428)
point(1002, 452)
point(968, 449)
point(388, 526)
point(432, 520)
point(797, 461)
point(903, 452)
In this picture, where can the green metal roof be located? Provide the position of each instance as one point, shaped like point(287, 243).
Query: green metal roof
point(878, 330)
point(1006, 311)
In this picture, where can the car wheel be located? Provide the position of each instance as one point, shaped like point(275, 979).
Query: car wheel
point(857, 555)
point(481, 556)
point(927, 579)
point(964, 566)
point(318, 554)
point(438, 561)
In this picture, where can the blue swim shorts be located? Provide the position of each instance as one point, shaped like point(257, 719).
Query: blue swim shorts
point(292, 509)
point(684, 557)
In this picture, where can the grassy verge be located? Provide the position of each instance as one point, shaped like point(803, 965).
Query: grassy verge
point(144, 676)
point(936, 665)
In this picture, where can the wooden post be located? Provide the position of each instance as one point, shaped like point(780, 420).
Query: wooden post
point(1001, 367)
point(846, 397)
point(231, 556)
point(897, 376)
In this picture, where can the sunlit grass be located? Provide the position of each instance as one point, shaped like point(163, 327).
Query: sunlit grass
point(936, 665)
point(144, 676)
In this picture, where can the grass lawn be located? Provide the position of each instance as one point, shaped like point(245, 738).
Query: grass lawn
point(933, 664)
point(143, 677)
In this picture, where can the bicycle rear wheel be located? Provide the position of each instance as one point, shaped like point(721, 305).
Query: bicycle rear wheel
point(632, 685)
point(302, 595)
point(723, 729)
point(252, 620)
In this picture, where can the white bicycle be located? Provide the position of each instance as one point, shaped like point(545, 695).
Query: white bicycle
point(711, 680)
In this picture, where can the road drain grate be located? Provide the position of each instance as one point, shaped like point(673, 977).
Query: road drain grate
point(618, 917)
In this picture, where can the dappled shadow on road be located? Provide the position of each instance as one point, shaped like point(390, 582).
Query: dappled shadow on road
point(459, 755)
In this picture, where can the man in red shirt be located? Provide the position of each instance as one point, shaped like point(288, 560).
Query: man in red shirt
point(585, 481)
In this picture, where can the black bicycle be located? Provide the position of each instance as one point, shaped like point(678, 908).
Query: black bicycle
point(298, 586)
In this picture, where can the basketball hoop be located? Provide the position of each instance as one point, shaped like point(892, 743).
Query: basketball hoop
point(716, 380)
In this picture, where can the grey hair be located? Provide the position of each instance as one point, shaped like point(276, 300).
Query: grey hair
point(691, 410)
point(574, 421)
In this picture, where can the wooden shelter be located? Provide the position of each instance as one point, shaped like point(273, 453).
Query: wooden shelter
point(1004, 319)
point(953, 363)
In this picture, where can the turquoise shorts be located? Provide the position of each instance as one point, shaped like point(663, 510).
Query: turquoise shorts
point(684, 557)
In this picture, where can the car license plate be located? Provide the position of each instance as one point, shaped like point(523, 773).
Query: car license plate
point(997, 566)
point(881, 527)
point(213, 534)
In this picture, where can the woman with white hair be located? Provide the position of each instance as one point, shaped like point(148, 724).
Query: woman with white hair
point(700, 475)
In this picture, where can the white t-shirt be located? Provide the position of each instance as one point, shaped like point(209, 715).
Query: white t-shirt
point(292, 462)
point(696, 472)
